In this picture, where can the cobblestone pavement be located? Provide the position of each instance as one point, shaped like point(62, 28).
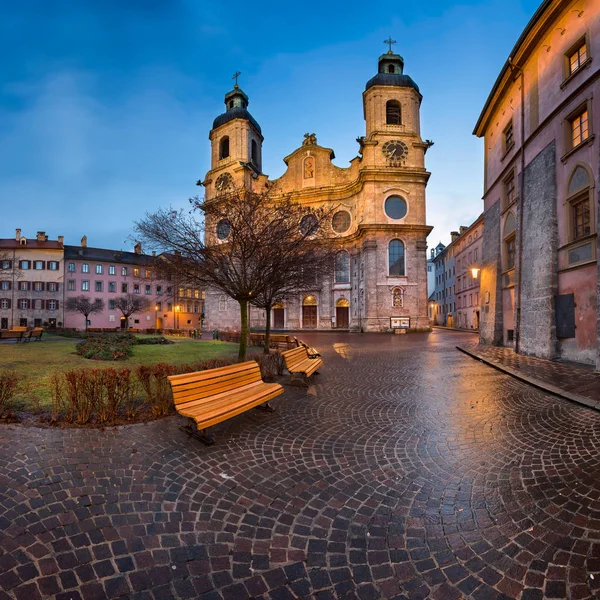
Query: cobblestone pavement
point(576, 380)
point(408, 470)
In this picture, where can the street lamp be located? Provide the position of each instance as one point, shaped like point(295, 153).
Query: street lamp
point(177, 308)
point(475, 272)
point(156, 318)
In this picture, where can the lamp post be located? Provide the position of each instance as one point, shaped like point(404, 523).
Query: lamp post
point(177, 308)
point(156, 318)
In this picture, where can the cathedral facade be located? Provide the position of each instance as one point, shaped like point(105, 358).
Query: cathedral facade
point(377, 206)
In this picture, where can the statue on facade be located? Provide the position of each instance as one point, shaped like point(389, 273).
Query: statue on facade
point(310, 139)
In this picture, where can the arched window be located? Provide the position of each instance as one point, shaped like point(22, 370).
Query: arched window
point(342, 267)
point(254, 152)
point(393, 114)
point(396, 256)
point(510, 247)
point(224, 147)
point(391, 69)
point(581, 217)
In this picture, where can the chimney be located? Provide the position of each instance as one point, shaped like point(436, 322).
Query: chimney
point(61, 239)
point(433, 253)
point(18, 234)
point(454, 235)
point(41, 236)
point(84, 241)
point(463, 228)
point(153, 252)
point(138, 248)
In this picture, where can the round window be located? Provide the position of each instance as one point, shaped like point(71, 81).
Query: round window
point(309, 225)
point(223, 229)
point(395, 207)
point(341, 221)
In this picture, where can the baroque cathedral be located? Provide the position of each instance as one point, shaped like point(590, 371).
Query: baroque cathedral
point(377, 206)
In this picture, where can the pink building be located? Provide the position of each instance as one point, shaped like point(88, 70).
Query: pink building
point(467, 256)
point(108, 274)
point(539, 279)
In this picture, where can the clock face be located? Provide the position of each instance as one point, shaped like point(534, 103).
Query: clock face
point(395, 150)
point(224, 182)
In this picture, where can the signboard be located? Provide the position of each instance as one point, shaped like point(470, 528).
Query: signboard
point(400, 322)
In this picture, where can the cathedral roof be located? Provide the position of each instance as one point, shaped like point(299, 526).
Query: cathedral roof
point(391, 72)
point(236, 113)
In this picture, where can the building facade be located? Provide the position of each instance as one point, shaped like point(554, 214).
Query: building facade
point(31, 281)
point(378, 205)
point(539, 279)
point(467, 257)
point(444, 299)
point(108, 274)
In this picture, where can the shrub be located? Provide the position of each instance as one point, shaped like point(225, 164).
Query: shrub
point(279, 362)
point(9, 381)
point(59, 405)
point(106, 346)
point(117, 390)
point(153, 379)
point(267, 366)
point(153, 340)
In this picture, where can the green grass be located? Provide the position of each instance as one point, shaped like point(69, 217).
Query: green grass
point(36, 361)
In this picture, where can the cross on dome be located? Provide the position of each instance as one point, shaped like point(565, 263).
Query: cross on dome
point(237, 74)
point(390, 41)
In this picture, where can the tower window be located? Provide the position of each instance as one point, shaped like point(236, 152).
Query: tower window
point(254, 152)
point(231, 104)
point(393, 113)
point(391, 69)
point(224, 148)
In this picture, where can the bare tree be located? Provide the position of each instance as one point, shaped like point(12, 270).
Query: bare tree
point(243, 246)
point(85, 306)
point(129, 304)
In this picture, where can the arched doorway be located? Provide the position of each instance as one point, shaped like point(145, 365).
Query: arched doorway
point(309, 312)
point(279, 316)
point(342, 314)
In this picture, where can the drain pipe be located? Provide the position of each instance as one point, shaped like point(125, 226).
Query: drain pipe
point(520, 209)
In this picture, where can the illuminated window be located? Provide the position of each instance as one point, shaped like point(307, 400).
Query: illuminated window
point(579, 128)
point(123, 271)
point(577, 57)
point(148, 273)
point(136, 272)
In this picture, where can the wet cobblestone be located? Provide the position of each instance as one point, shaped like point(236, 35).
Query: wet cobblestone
point(407, 470)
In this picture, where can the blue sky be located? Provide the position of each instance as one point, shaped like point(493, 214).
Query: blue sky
point(106, 105)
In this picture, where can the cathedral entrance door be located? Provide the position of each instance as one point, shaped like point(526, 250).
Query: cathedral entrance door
point(278, 318)
point(342, 314)
point(309, 317)
point(341, 317)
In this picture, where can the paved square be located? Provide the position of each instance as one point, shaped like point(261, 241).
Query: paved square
point(408, 470)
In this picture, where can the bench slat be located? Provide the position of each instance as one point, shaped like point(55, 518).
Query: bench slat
point(213, 373)
point(238, 378)
point(199, 395)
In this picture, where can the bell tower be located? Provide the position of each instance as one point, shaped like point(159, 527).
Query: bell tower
point(236, 143)
point(391, 105)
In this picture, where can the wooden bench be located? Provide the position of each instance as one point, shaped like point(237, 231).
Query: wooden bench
point(19, 328)
point(36, 334)
point(11, 334)
point(298, 363)
point(312, 352)
point(209, 397)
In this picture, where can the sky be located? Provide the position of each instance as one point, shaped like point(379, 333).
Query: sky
point(106, 105)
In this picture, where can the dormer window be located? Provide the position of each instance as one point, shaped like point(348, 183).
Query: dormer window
point(224, 148)
point(393, 115)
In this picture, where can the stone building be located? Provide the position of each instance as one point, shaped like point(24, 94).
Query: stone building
point(467, 257)
point(31, 281)
point(539, 281)
point(444, 299)
point(378, 203)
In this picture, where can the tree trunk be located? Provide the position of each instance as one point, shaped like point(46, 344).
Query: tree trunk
point(86, 320)
point(244, 330)
point(267, 349)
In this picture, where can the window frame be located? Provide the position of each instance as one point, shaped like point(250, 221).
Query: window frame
point(570, 148)
point(393, 102)
point(569, 74)
point(508, 145)
point(389, 266)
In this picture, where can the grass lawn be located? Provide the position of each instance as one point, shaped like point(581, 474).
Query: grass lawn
point(36, 361)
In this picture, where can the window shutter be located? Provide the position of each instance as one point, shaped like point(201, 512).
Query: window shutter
point(29, 286)
point(565, 315)
point(9, 302)
point(56, 304)
point(42, 304)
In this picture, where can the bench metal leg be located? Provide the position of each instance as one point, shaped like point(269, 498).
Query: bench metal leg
point(266, 407)
point(299, 379)
point(198, 434)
